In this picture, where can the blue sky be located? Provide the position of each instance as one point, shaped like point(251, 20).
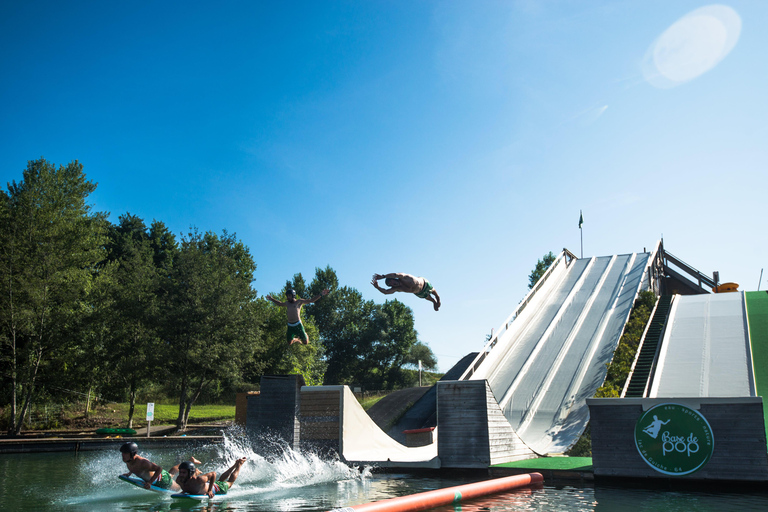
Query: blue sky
point(452, 140)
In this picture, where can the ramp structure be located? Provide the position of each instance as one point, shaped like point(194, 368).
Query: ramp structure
point(551, 354)
point(331, 417)
point(705, 351)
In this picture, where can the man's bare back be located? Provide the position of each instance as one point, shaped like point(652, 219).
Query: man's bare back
point(147, 470)
point(400, 282)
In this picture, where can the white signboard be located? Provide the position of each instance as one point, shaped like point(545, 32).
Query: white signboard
point(150, 411)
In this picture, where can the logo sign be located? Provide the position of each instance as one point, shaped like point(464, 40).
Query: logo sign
point(674, 439)
point(150, 411)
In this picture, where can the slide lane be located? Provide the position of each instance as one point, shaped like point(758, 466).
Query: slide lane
point(706, 350)
point(557, 356)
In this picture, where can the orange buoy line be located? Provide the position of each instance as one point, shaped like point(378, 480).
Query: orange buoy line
point(439, 497)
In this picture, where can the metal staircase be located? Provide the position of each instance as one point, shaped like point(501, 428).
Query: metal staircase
point(649, 345)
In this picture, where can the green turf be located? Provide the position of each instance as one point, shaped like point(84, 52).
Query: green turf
point(555, 463)
point(757, 318)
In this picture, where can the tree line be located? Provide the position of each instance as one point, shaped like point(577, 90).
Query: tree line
point(96, 308)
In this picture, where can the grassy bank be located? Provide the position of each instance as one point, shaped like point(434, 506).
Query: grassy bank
point(72, 416)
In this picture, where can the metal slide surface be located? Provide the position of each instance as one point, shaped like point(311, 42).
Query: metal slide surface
point(705, 351)
point(553, 356)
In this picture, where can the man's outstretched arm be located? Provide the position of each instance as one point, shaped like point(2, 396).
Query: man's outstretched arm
point(315, 299)
point(391, 275)
point(272, 299)
point(387, 291)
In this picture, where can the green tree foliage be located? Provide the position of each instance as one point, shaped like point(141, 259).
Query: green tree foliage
point(90, 308)
point(541, 266)
point(52, 243)
point(136, 351)
point(421, 352)
point(211, 319)
point(387, 343)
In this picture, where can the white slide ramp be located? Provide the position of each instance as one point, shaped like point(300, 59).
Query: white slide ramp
point(362, 441)
point(705, 351)
point(553, 356)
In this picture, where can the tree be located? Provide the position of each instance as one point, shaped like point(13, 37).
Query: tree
point(421, 352)
point(211, 314)
point(389, 340)
point(541, 267)
point(136, 352)
point(52, 243)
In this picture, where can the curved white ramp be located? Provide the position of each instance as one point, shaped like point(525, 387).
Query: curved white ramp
point(362, 441)
point(553, 356)
point(705, 351)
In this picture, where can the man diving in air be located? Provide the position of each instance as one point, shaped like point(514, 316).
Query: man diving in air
point(407, 283)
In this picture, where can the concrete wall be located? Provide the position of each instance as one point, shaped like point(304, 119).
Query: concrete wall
point(472, 430)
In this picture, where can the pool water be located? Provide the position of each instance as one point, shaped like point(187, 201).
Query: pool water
point(303, 482)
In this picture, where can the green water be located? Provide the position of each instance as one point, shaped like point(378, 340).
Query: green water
point(294, 482)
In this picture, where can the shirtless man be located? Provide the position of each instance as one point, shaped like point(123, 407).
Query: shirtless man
point(399, 282)
point(151, 473)
point(295, 332)
point(193, 481)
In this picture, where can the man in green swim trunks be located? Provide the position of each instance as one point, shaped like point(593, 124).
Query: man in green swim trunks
point(399, 282)
point(151, 473)
point(194, 482)
point(295, 332)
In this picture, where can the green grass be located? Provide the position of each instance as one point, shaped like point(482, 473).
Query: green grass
point(369, 401)
point(166, 414)
point(757, 317)
point(113, 415)
point(557, 463)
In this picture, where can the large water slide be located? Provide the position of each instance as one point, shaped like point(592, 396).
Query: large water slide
point(705, 350)
point(551, 354)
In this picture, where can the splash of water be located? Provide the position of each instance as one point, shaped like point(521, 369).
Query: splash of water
point(285, 470)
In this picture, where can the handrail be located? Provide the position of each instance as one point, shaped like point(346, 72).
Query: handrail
point(693, 272)
point(566, 256)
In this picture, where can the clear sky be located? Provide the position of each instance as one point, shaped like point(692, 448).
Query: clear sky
point(452, 140)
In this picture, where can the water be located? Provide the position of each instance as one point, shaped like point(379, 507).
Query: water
point(88, 481)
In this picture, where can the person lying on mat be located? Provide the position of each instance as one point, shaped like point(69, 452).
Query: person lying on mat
point(194, 482)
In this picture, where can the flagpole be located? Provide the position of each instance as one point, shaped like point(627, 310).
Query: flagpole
point(581, 232)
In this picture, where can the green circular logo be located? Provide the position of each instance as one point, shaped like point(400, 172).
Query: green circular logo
point(674, 439)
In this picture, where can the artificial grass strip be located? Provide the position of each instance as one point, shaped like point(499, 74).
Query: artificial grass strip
point(554, 463)
point(757, 318)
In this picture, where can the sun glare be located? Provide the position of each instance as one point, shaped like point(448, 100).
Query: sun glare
point(691, 46)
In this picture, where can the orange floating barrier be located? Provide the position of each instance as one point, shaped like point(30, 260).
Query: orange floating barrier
point(439, 497)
